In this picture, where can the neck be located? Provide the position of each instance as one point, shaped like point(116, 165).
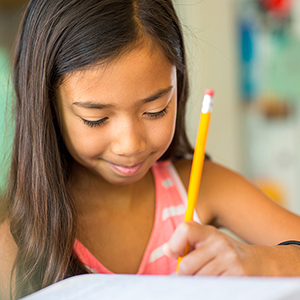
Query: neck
point(93, 192)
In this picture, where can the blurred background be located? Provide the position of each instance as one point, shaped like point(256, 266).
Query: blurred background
point(248, 51)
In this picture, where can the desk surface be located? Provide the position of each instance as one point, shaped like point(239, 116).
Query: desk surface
point(131, 287)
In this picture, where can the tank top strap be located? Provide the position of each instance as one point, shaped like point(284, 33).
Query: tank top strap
point(181, 188)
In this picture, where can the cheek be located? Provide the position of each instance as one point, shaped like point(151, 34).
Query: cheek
point(81, 141)
point(162, 134)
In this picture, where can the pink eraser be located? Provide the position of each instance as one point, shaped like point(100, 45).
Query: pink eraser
point(209, 92)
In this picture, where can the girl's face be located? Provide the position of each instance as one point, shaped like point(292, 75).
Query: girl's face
point(118, 119)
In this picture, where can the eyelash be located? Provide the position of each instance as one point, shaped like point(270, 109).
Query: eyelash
point(94, 123)
point(101, 121)
point(158, 114)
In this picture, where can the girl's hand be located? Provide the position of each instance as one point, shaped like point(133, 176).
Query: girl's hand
point(215, 253)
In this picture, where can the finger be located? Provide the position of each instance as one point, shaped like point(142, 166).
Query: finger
point(190, 233)
point(227, 262)
point(214, 267)
point(234, 271)
point(196, 260)
point(168, 252)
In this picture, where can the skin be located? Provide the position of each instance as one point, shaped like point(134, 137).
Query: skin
point(135, 96)
point(114, 187)
point(228, 200)
point(8, 251)
point(126, 203)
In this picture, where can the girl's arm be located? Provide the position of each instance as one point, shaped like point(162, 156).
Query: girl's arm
point(233, 202)
point(214, 253)
point(228, 200)
point(8, 251)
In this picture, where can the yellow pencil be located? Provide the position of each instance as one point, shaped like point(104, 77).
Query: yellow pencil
point(198, 159)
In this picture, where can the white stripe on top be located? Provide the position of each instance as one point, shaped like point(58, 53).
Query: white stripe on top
point(172, 211)
point(181, 188)
point(156, 254)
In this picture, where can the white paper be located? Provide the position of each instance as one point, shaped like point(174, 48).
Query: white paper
point(130, 287)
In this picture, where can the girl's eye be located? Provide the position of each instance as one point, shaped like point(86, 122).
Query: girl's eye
point(94, 123)
point(101, 121)
point(158, 114)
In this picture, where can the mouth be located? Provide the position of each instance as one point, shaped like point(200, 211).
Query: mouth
point(126, 170)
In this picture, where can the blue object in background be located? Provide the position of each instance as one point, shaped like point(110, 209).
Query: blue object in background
point(247, 57)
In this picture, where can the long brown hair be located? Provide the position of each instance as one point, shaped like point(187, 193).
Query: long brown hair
point(56, 38)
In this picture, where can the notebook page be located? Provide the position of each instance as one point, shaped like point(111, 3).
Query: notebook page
point(130, 287)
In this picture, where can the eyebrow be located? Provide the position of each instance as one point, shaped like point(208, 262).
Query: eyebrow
point(92, 105)
point(160, 93)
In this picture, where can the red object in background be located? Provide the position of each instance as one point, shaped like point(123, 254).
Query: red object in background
point(281, 8)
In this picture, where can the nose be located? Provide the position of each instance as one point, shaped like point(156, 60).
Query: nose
point(129, 139)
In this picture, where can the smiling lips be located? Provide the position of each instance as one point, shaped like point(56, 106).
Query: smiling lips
point(127, 170)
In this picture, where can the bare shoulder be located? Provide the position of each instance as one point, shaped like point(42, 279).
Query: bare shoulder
point(210, 170)
point(8, 250)
point(224, 188)
point(214, 182)
point(238, 204)
point(228, 199)
point(218, 183)
point(214, 173)
point(225, 195)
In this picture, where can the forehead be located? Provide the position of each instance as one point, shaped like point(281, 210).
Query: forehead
point(134, 74)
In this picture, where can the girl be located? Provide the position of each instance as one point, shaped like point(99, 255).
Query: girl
point(99, 170)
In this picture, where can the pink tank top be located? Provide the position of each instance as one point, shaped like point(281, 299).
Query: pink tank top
point(171, 199)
